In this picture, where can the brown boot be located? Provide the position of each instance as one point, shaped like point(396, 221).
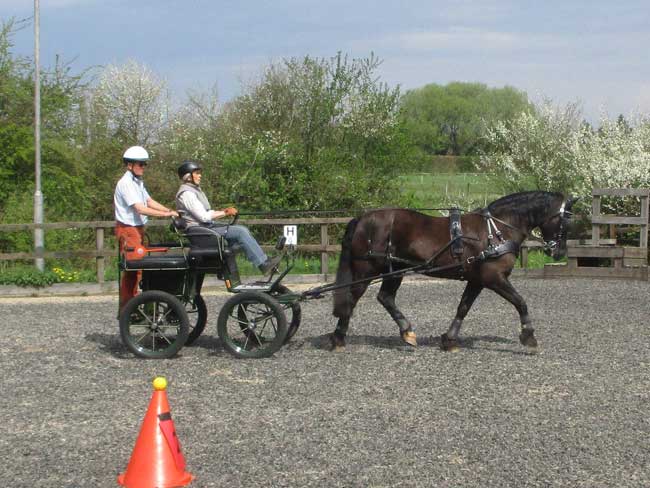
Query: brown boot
point(271, 264)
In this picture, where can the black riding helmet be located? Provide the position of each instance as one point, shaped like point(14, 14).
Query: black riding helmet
point(187, 167)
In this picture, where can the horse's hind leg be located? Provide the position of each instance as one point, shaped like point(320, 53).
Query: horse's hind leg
point(338, 336)
point(449, 340)
point(386, 297)
point(505, 289)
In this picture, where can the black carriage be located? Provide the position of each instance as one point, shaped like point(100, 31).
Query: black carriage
point(170, 312)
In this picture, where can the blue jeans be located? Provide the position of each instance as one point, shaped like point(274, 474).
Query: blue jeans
point(238, 234)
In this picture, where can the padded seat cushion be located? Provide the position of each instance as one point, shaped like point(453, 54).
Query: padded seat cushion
point(157, 262)
point(203, 253)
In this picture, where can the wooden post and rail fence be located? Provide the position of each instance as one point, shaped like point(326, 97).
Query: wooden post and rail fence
point(584, 256)
point(597, 247)
point(103, 228)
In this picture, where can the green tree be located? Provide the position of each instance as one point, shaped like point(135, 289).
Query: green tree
point(61, 93)
point(450, 119)
point(311, 133)
point(128, 105)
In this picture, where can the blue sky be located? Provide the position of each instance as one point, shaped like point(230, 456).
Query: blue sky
point(594, 52)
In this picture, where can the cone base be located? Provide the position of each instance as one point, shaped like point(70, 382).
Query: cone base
point(185, 479)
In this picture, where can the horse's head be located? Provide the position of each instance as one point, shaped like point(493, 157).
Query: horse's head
point(554, 229)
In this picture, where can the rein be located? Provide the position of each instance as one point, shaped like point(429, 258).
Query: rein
point(355, 211)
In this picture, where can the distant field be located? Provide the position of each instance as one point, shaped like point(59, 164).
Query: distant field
point(466, 190)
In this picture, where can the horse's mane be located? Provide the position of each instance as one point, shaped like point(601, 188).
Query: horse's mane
point(531, 205)
point(523, 201)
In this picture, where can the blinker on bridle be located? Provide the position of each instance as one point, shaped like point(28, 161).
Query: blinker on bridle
point(564, 215)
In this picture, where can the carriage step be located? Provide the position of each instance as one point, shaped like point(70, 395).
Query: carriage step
point(255, 286)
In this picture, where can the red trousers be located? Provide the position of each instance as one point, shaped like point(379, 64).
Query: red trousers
point(129, 237)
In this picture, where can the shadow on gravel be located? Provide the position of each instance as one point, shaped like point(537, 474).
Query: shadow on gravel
point(480, 342)
point(380, 342)
point(394, 342)
point(211, 343)
point(109, 343)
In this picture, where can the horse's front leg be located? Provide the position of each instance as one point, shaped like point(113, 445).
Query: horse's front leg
point(337, 338)
point(386, 297)
point(449, 340)
point(505, 289)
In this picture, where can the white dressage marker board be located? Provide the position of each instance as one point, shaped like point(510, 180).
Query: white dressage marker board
point(291, 233)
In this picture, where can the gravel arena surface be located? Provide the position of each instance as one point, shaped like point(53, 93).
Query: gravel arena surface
point(377, 415)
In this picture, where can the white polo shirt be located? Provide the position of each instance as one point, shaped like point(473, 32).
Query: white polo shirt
point(129, 191)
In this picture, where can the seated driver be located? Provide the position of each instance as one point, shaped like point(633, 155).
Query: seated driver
point(194, 207)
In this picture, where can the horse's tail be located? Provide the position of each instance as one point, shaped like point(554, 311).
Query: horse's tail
point(342, 296)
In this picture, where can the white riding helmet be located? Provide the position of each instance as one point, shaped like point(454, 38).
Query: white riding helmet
point(135, 154)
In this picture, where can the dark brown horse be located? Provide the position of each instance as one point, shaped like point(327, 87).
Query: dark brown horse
point(480, 247)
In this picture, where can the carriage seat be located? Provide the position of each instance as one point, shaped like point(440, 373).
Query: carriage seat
point(200, 252)
point(204, 242)
point(176, 261)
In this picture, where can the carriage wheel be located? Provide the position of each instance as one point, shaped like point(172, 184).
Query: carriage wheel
point(252, 325)
point(291, 310)
point(197, 313)
point(154, 325)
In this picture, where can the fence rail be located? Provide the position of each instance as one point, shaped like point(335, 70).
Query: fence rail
point(101, 252)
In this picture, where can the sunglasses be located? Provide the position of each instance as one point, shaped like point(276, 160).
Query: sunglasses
point(142, 164)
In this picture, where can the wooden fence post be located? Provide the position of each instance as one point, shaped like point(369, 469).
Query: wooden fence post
point(99, 242)
point(524, 257)
point(595, 213)
point(324, 241)
point(643, 238)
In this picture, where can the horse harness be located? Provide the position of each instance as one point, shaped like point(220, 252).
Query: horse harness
point(497, 245)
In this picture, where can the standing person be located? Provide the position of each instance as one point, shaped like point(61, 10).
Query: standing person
point(195, 209)
point(133, 206)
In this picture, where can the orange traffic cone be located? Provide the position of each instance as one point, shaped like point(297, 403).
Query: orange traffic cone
point(157, 460)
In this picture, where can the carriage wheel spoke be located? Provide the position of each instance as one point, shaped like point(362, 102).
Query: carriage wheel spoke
point(264, 321)
point(163, 336)
point(139, 311)
point(142, 337)
point(246, 327)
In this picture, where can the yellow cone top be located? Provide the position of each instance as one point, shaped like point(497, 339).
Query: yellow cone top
point(160, 383)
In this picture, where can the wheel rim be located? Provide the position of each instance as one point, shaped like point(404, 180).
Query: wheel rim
point(154, 326)
point(251, 327)
point(291, 310)
point(197, 316)
point(159, 328)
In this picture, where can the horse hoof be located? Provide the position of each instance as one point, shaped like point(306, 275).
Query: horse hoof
point(337, 343)
point(447, 344)
point(410, 338)
point(527, 338)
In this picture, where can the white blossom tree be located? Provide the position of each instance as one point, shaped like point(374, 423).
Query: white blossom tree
point(131, 103)
point(537, 150)
point(552, 149)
